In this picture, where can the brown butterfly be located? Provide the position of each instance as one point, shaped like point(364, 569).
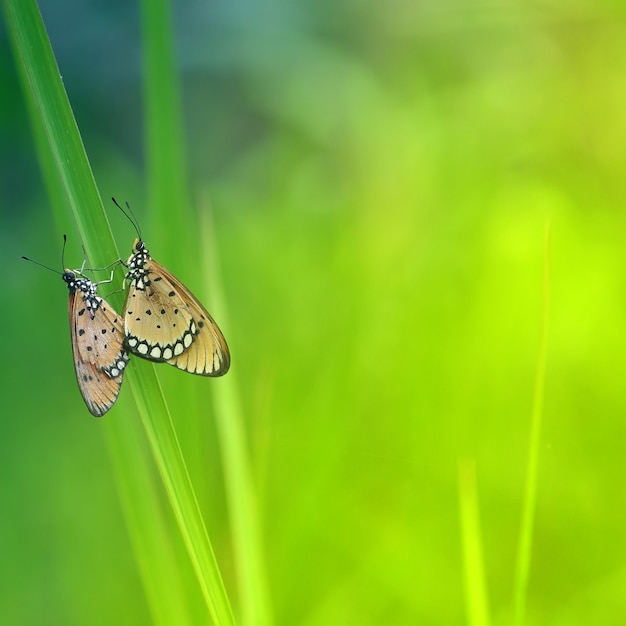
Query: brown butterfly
point(165, 322)
point(97, 337)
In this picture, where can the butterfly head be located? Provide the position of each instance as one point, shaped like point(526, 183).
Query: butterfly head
point(139, 246)
point(70, 278)
point(89, 290)
point(137, 271)
point(140, 255)
point(76, 283)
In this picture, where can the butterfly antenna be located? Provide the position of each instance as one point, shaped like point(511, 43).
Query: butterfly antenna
point(63, 250)
point(42, 265)
point(132, 218)
point(46, 266)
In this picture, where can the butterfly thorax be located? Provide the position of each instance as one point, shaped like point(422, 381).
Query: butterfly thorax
point(88, 289)
point(137, 271)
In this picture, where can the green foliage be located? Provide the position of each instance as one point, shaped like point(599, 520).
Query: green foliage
point(380, 181)
point(63, 153)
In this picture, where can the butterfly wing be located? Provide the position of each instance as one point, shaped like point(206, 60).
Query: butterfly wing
point(208, 355)
point(165, 322)
point(99, 357)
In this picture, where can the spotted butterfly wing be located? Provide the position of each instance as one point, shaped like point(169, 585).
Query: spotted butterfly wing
point(97, 344)
point(165, 322)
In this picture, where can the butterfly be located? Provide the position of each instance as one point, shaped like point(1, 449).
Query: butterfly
point(97, 335)
point(164, 322)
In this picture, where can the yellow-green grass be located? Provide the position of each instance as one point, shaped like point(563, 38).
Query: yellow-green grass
point(368, 228)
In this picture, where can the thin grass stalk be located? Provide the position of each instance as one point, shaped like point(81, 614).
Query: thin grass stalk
point(241, 495)
point(476, 597)
point(530, 498)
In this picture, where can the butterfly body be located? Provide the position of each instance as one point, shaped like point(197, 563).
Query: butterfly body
point(97, 344)
point(164, 322)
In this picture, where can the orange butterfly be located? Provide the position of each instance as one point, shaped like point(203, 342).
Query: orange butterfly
point(97, 342)
point(165, 322)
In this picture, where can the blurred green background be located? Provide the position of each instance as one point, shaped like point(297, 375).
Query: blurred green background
point(381, 177)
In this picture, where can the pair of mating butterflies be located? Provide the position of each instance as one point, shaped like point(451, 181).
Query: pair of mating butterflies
point(162, 322)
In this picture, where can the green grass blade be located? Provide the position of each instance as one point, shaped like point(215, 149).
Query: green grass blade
point(66, 153)
point(158, 563)
point(169, 460)
point(50, 113)
point(67, 156)
point(476, 597)
point(240, 491)
point(530, 499)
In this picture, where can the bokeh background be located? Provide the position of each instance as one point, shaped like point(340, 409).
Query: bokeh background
point(381, 176)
